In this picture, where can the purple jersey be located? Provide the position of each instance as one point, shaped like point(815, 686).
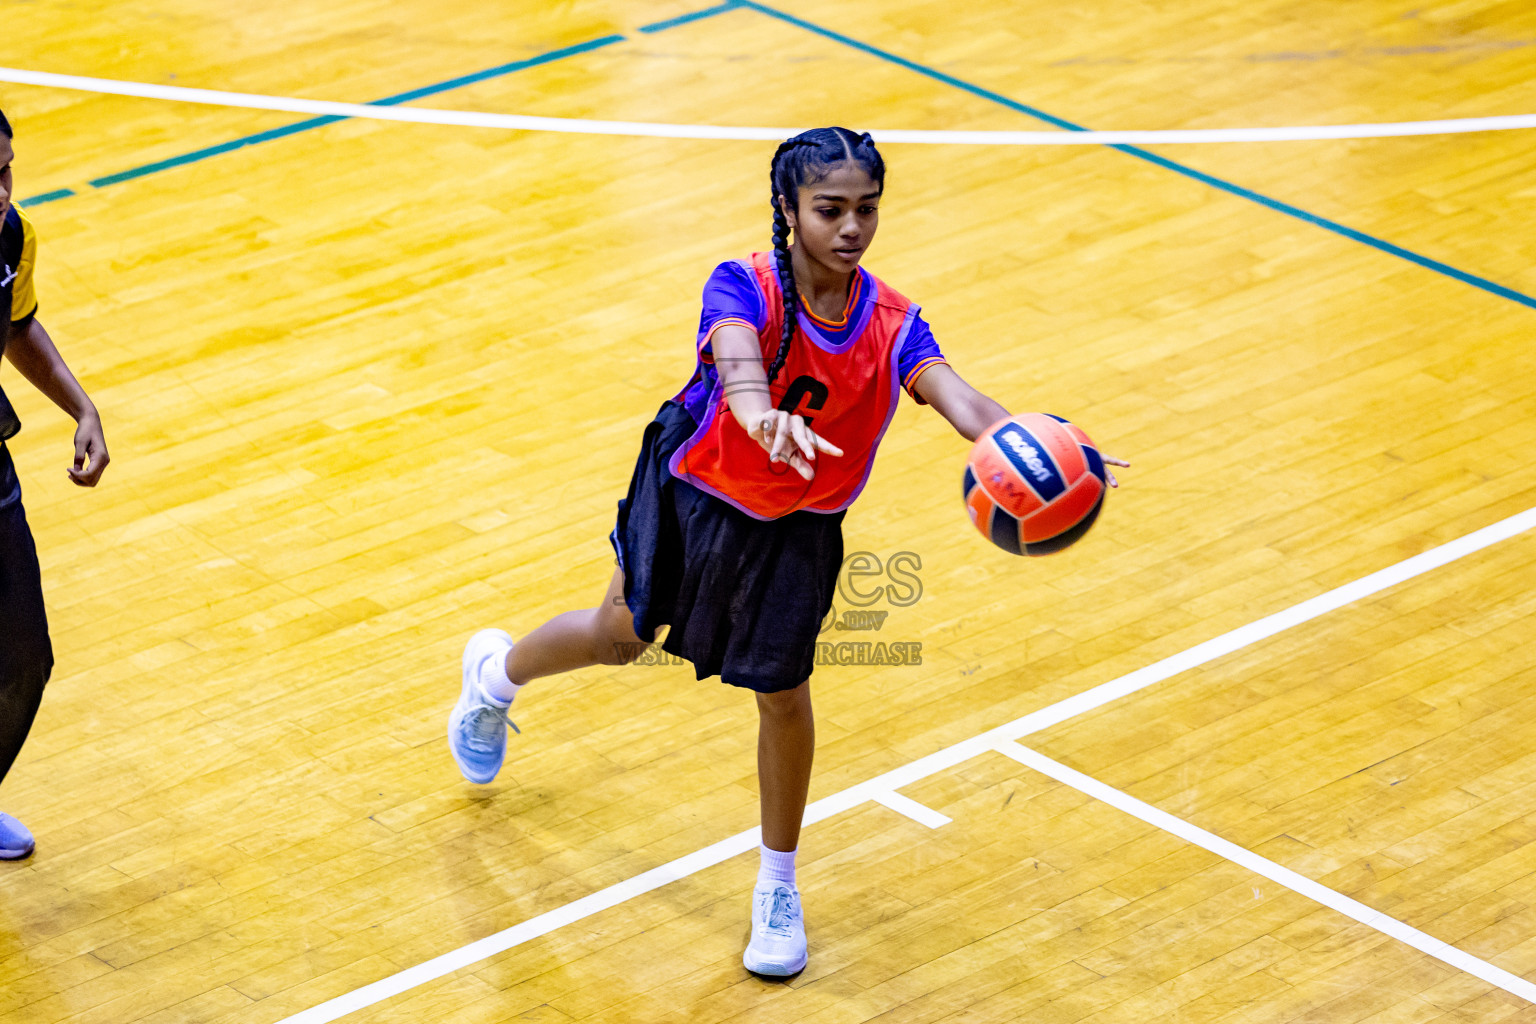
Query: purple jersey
point(733, 294)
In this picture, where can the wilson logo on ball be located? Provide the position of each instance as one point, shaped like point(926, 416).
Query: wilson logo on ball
point(1028, 453)
point(1022, 450)
point(1034, 484)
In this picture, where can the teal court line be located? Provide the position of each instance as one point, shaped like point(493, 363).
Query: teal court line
point(1381, 244)
point(388, 101)
point(683, 19)
point(309, 124)
point(1221, 184)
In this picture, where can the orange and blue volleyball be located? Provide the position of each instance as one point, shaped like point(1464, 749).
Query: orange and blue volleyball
point(1034, 484)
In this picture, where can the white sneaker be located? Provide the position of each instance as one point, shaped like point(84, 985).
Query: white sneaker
point(477, 725)
point(778, 932)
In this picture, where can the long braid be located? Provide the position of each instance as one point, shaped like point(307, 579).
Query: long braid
point(787, 290)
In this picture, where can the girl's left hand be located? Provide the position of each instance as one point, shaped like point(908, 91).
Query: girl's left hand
point(91, 456)
point(787, 438)
point(1110, 460)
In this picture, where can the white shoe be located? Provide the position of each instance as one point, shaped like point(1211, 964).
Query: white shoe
point(778, 932)
point(477, 725)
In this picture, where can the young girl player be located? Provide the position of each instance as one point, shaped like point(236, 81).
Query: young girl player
point(26, 656)
point(731, 533)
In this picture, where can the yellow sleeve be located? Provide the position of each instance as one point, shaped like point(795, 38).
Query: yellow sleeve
point(23, 295)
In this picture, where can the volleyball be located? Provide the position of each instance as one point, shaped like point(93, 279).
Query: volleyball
point(1034, 483)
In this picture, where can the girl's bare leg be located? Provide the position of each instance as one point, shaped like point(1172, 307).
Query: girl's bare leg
point(786, 744)
point(604, 635)
point(477, 725)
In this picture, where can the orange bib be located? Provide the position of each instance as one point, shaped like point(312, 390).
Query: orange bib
point(847, 392)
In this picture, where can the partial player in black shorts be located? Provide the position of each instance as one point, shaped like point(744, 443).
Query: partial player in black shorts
point(26, 654)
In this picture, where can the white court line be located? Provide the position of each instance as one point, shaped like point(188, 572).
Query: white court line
point(583, 126)
point(872, 789)
point(532, 928)
point(912, 809)
point(1441, 951)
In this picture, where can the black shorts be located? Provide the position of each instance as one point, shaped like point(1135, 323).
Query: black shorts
point(26, 655)
point(744, 597)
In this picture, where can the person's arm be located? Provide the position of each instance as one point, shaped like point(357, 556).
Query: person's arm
point(969, 411)
point(739, 361)
point(33, 353)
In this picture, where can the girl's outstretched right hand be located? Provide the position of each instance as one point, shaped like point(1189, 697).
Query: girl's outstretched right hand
point(788, 438)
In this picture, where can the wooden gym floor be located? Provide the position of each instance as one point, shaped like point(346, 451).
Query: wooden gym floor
point(369, 387)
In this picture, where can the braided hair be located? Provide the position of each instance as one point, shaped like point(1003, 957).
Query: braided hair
point(804, 160)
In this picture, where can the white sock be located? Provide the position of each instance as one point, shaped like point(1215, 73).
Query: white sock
point(494, 682)
point(775, 868)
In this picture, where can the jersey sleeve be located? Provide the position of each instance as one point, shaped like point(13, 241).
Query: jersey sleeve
point(731, 296)
point(23, 295)
point(919, 353)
